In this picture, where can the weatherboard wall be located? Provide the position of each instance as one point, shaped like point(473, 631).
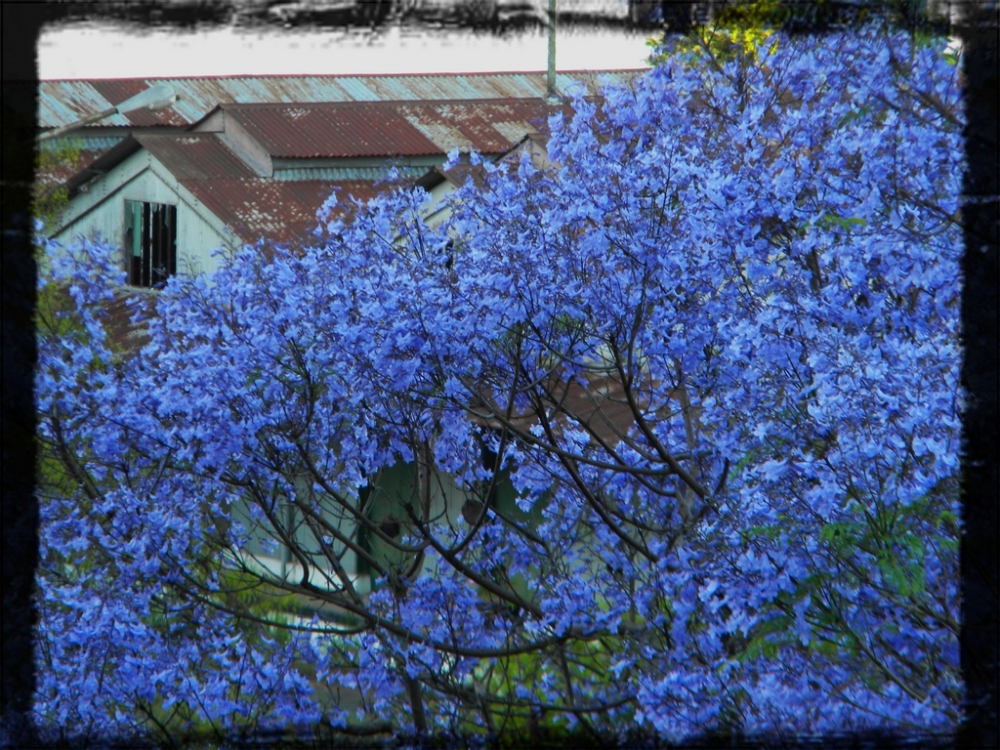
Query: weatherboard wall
point(99, 212)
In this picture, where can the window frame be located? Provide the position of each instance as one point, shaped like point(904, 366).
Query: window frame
point(150, 243)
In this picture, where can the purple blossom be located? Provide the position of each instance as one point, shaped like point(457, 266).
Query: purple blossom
point(670, 434)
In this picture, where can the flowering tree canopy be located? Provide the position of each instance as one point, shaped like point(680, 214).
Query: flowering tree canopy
point(664, 433)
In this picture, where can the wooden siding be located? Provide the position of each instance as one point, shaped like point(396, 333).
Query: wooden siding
point(100, 212)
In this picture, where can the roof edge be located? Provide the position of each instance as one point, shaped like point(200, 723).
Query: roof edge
point(584, 71)
point(103, 164)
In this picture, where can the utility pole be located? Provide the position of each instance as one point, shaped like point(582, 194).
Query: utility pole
point(551, 79)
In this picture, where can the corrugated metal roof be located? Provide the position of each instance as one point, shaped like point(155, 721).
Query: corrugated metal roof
point(348, 130)
point(488, 127)
point(118, 90)
point(252, 206)
point(597, 402)
point(196, 156)
point(65, 102)
point(126, 337)
point(285, 208)
point(275, 210)
point(330, 130)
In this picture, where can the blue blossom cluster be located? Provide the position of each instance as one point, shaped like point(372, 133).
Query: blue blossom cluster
point(712, 353)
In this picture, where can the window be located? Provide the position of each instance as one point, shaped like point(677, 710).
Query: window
point(150, 243)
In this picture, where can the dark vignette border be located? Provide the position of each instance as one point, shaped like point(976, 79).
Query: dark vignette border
point(22, 23)
point(981, 199)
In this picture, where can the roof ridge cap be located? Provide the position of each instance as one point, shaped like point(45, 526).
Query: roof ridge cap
point(341, 75)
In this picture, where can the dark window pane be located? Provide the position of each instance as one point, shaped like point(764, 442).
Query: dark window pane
point(150, 243)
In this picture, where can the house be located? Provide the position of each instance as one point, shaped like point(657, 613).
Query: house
point(246, 172)
point(64, 102)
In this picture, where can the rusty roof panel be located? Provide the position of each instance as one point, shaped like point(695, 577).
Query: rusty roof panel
point(445, 136)
point(118, 90)
point(65, 102)
point(345, 130)
point(512, 130)
point(195, 157)
point(126, 337)
point(331, 130)
point(252, 206)
point(475, 122)
point(596, 403)
point(277, 211)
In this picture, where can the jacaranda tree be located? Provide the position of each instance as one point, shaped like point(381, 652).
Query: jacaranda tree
point(671, 425)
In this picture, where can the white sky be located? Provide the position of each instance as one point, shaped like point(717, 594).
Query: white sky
point(88, 50)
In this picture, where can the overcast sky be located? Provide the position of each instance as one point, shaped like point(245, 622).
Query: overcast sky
point(91, 50)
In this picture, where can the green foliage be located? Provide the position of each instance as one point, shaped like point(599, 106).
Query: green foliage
point(739, 30)
point(246, 594)
point(51, 199)
point(887, 548)
point(523, 679)
point(845, 223)
point(57, 319)
point(55, 315)
point(742, 27)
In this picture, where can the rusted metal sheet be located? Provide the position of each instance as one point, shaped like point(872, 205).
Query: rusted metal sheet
point(126, 337)
point(257, 208)
point(595, 402)
point(375, 129)
point(65, 102)
point(195, 157)
point(489, 127)
point(118, 90)
point(252, 206)
point(331, 130)
point(323, 146)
